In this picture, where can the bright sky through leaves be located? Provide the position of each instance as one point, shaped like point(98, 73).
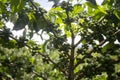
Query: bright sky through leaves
point(46, 5)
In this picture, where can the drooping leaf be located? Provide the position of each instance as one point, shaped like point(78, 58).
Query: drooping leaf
point(110, 46)
point(13, 18)
point(92, 1)
point(21, 22)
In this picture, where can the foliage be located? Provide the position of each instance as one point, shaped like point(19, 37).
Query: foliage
point(95, 56)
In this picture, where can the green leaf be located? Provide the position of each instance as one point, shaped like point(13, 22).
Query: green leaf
point(102, 9)
point(1, 24)
point(19, 25)
point(55, 18)
point(13, 18)
point(32, 60)
point(107, 46)
point(10, 44)
point(40, 25)
point(68, 34)
point(89, 4)
point(116, 13)
point(44, 46)
point(2, 7)
point(105, 2)
point(108, 2)
point(92, 1)
point(31, 16)
point(17, 5)
point(58, 11)
point(103, 76)
point(90, 8)
point(77, 9)
point(21, 22)
point(98, 14)
point(84, 41)
point(58, 20)
point(4, 1)
point(110, 46)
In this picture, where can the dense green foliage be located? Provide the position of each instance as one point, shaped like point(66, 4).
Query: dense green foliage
point(95, 56)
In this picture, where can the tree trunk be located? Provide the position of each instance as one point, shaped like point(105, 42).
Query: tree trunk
point(71, 65)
